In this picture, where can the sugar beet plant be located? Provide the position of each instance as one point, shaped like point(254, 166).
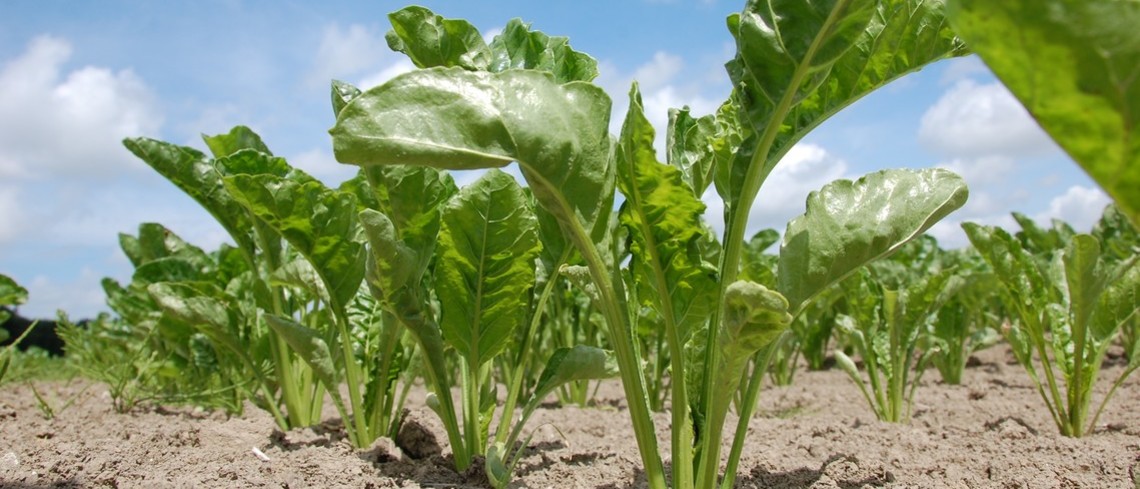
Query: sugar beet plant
point(1069, 306)
point(11, 294)
point(474, 105)
point(285, 304)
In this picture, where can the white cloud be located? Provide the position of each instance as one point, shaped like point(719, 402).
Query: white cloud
point(949, 231)
point(783, 196)
point(983, 170)
point(321, 164)
point(661, 89)
point(389, 72)
point(1079, 206)
point(69, 126)
point(658, 72)
point(81, 296)
point(489, 34)
point(347, 51)
point(972, 120)
point(966, 67)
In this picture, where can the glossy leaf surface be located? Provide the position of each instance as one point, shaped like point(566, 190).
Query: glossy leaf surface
point(848, 224)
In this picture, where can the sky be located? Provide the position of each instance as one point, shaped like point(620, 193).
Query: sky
point(78, 77)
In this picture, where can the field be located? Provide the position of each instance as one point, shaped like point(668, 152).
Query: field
point(403, 330)
point(989, 432)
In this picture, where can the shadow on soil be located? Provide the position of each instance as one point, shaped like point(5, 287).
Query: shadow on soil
point(842, 471)
point(67, 483)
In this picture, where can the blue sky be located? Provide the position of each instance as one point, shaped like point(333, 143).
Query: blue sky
point(77, 77)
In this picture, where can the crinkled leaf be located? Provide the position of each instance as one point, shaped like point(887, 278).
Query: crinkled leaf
point(1119, 303)
point(341, 94)
point(1042, 241)
point(1073, 64)
point(430, 40)
point(359, 187)
point(1116, 234)
point(320, 223)
point(689, 147)
point(239, 138)
point(156, 241)
point(756, 265)
point(168, 269)
point(518, 47)
point(783, 44)
point(253, 162)
point(663, 218)
point(454, 119)
point(485, 266)
point(754, 316)
point(848, 224)
point(190, 171)
point(802, 62)
point(830, 53)
point(208, 313)
point(579, 275)
point(11, 293)
point(1012, 265)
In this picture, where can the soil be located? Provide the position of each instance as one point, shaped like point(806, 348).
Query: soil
point(992, 431)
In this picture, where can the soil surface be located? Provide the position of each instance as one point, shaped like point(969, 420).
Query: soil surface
point(992, 431)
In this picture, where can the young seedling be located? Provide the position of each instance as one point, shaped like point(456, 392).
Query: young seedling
point(1067, 315)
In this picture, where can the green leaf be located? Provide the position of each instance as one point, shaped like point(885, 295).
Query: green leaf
point(1085, 281)
point(581, 362)
point(1012, 265)
point(341, 94)
point(1116, 234)
point(253, 162)
point(848, 224)
point(11, 293)
point(157, 242)
point(453, 119)
point(411, 197)
point(753, 317)
point(1042, 241)
point(168, 269)
point(831, 54)
point(1073, 65)
point(757, 265)
point(311, 347)
point(518, 47)
point(430, 40)
point(239, 138)
point(689, 148)
point(780, 43)
point(1119, 303)
point(207, 312)
point(299, 274)
point(188, 169)
point(391, 262)
point(663, 217)
point(486, 266)
point(318, 222)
